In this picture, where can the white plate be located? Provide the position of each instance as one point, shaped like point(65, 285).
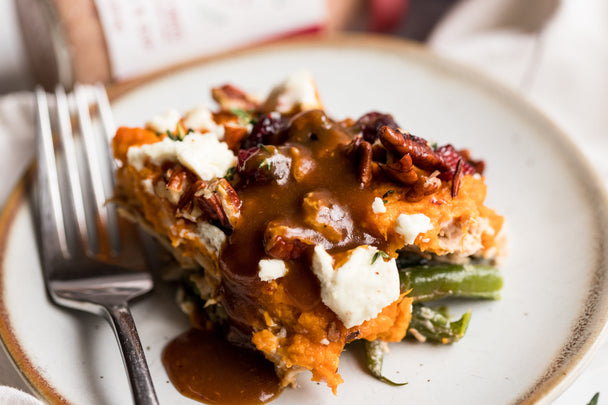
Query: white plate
point(525, 348)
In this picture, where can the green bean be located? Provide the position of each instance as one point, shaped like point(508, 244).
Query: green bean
point(433, 325)
point(374, 356)
point(436, 281)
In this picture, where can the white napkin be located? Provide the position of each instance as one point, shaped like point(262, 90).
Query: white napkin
point(17, 145)
point(13, 396)
point(556, 54)
point(554, 51)
point(17, 149)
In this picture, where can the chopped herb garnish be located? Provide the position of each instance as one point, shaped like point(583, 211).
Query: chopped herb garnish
point(171, 136)
point(179, 134)
point(379, 253)
point(389, 192)
point(245, 117)
point(230, 174)
point(264, 148)
point(265, 164)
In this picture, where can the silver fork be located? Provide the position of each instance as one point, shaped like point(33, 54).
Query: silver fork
point(82, 243)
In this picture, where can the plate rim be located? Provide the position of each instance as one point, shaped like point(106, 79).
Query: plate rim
point(572, 356)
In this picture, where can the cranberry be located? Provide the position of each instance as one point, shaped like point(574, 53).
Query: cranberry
point(263, 163)
point(266, 131)
point(451, 157)
point(370, 124)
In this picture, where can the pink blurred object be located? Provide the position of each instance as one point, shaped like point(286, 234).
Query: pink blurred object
point(387, 14)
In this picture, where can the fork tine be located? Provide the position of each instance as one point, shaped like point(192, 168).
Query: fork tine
point(100, 179)
point(108, 131)
point(107, 121)
point(51, 216)
point(67, 142)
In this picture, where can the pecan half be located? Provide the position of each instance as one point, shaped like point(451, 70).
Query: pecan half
point(419, 149)
point(216, 202)
point(423, 187)
point(230, 97)
point(288, 243)
point(401, 171)
point(362, 152)
point(231, 204)
point(176, 182)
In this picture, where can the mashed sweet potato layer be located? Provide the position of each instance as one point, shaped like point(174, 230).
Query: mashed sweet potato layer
point(313, 339)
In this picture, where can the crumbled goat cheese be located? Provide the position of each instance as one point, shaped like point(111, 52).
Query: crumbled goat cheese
point(410, 226)
point(202, 153)
point(148, 186)
point(205, 155)
point(378, 206)
point(164, 122)
point(358, 290)
point(297, 90)
point(211, 236)
point(271, 269)
point(200, 119)
point(165, 150)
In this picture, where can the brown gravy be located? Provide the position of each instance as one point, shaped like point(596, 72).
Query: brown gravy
point(331, 175)
point(206, 368)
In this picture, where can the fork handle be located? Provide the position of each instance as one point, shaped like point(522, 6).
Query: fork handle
point(132, 353)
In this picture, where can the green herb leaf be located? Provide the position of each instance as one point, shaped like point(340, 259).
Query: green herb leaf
point(230, 174)
point(264, 148)
point(265, 164)
point(379, 253)
point(389, 192)
point(180, 132)
point(172, 136)
point(245, 117)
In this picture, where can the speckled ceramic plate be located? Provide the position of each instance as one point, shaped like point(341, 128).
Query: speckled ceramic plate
point(525, 348)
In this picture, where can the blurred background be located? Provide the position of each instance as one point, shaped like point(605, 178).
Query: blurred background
point(44, 40)
point(553, 52)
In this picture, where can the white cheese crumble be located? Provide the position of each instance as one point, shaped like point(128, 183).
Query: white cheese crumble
point(205, 155)
point(298, 89)
point(211, 236)
point(410, 226)
point(378, 206)
point(200, 119)
point(271, 269)
point(164, 122)
point(148, 186)
point(358, 290)
point(201, 153)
